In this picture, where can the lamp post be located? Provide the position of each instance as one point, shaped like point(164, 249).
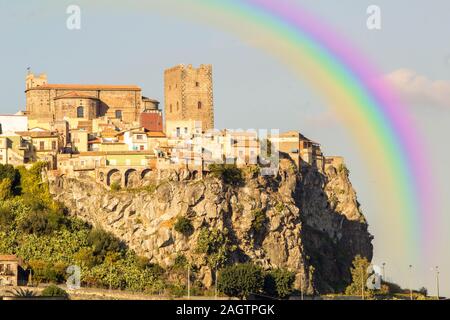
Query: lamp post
point(410, 282)
point(436, 269)
point(301, 287)
point(384, 274)
point(362, 283)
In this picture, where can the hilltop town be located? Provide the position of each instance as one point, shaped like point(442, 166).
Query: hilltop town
point(170, 187)
point(119, 136)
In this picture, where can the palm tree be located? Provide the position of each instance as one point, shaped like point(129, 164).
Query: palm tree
point(22, 293)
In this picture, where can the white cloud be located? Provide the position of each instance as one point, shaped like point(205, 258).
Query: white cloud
point(419, 90)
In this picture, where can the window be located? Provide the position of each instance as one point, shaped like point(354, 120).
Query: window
point(199, 104)
point(80, 112)
point(119, 114)
point(171, 108)
point(178, 107)
point(53, 145)
point(141, 147)
point(139, 137)
point(197, 84)
point(41, 145)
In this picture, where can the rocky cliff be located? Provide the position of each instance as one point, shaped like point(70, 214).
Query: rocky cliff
point(308, 222)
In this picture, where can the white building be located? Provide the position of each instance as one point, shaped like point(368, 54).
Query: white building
point(12, 123)
point(136, 140)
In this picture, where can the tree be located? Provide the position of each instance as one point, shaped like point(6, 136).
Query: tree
point(241, 280)
point(184, 226)
point(8, 172)
point(359, 277)
point(102, 243)
point(41, 222)
point(279, 283)
point(215, 245)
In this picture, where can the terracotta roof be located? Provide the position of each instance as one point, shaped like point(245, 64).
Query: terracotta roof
point(38, 134)
point(156, 134)
point(75, 95)
point(87, 87)
point(8, 257)
point(12, 258)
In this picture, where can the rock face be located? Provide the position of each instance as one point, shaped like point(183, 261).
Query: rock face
point(312, 226)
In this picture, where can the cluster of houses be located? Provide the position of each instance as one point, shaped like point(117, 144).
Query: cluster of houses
point(113, 132)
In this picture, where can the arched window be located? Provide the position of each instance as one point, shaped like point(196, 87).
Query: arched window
point(80, 112)
point(199, 104)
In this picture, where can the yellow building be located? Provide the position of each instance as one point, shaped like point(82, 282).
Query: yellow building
point(45, 145)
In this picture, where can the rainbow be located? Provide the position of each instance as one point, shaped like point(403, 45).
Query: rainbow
point(354, 90)
point(357, 93)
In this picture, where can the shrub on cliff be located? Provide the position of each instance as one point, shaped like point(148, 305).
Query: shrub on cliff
point(102, 243)
point(115, 186)
point(184, 226)
point(259, 219)
point(279, 283)
point(241, 280)
point(228, 173)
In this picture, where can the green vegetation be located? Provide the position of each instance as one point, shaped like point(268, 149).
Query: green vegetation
point(22, 293)
point(252, 171)
point(228, 173)
point(54, 291)
point(36, 228)
point(184, 226)
point(279, 283)
point(215, 245)
point(115, 186)
point(241, 280)
point(259, 219)
point(359, 277)
point(342, 169)
point(280, 207)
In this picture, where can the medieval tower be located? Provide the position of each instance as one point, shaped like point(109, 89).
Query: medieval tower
point(188, 95)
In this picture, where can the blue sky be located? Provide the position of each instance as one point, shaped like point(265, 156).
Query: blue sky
point(252, 90)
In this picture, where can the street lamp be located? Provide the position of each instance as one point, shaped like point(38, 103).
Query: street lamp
point(384, 274)
point(436, 269)
point(215, 287)
point(410, 282)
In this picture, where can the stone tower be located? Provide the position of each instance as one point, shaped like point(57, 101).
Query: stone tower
point(33, 81)
point(188, 95)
